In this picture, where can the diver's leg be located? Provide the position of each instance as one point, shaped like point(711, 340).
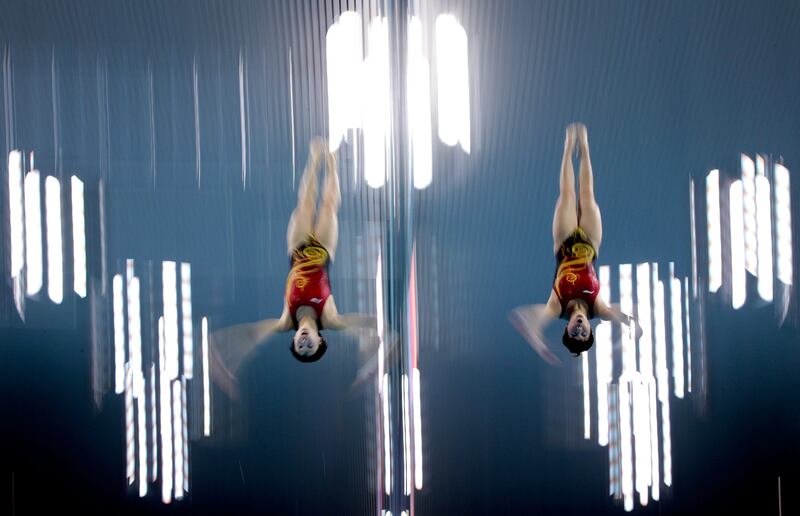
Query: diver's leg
point(327, 228)
point(590, 219)
point(565, 219)
point(302, 219)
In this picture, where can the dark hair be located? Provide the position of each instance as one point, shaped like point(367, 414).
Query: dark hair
point(575, 346)
point(323, 347)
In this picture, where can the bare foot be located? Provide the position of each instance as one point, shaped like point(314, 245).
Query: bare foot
point(582, 135)
point(318, 146)
point(571, 138)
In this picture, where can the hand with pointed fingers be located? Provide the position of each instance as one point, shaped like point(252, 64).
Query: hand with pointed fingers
point(534, 338)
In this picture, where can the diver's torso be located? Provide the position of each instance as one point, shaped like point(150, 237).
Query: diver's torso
point(575, 276)
point(308, 283)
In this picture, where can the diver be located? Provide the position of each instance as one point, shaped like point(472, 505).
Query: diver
point(577, 234)
point(308, 307)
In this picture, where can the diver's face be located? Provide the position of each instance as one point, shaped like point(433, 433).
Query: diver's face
point(578, 326)
point(306, 341)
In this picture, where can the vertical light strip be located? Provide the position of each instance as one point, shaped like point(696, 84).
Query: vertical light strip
point(693, 233)
point(666, 431)
point(136, 371)
point(406, 439)
point(379, 314)
point(626, 305)
point(33, 233)
point(55, 253)
point(452, 64)
point(625, 437)
point(383, 379)
point(376, 98)
point(186, 308)
point(419, 107)
point(749, 212)
point(660, 391)
point(78, 237)
point(764, 217)
point(166, 423)
point(16, 215)
point(170, 296)
point(614, 482)
point(688, 329)
point(417, 430)
point(197, 148)
point(660, 327)
point(643, 312)
point(641, 435)
point(161, 352)
point(101, 205)
point(387, 450)
point(676, 319)
point(587, 417)
point(135, 337)
point(344, 54)
point(177, 437)
point(413, 331)
point(587, 420)
point(604, 359)
point(206, 383)
point(130, 437)
point(141, 420)
point(153, 420)
point(185, 436)
point(714, 231)
point(738, 270)
point(655, 481)
point(243, 118)
point(119, 335)
point(783, 225)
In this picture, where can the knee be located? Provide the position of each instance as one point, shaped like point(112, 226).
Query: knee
point(587, 201)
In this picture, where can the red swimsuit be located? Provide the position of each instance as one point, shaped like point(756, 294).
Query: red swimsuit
point(575, 276)
point(308, 284)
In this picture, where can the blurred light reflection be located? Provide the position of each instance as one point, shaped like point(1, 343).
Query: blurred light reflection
point(764, 220)
point(749, 213)
point(119, 334)
point(186, 312)
point(714, 231)
point(604, 360)
point(55, 254)
point(453, 81)
point(419, 107)
point(33, 233)
point(206, 383)
point(738, 271)
point(676, 332)
point(783, 225)
point(78, 237)
point(16, 218)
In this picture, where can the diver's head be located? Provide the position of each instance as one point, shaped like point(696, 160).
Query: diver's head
point(578, 336)
point(308, 345)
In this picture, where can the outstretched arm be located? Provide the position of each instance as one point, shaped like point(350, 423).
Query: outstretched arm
point(229, 347)
point(614, 314)
point(531, 320)
point(333, 320)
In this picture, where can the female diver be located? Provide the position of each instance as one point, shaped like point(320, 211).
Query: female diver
point(577, 234)
point(308, 303)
